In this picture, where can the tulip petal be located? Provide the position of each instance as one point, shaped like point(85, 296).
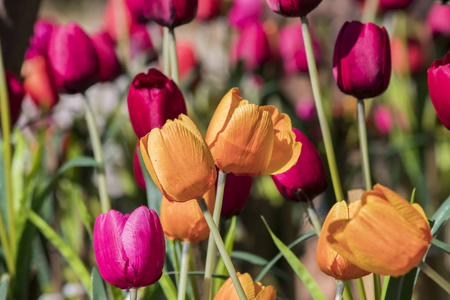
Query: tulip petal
point(143, 145)
point(267, 293)
point(285, 153)
point(281, 122)
point(190, 125)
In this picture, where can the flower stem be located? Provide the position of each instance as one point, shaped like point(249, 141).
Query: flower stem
point(314, 218)
point(424, 267)
point(173, 57)
point(184, 271)
point(361, 289)
point(360, 113)
point(320, 110)
point(166, 52)
point(175, 261)
point(133, 293)
point(348, 292)
point(97, 148)
point(211, 252)
point(222, 250)
point(339, 289)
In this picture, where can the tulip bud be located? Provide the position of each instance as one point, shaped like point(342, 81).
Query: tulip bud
point(140, 43)
point(130, 250)
point(244, 11)
point(171, 13)
point(237, 190)
point(136, 7)
point(438, 19)
point(208, 9)
point(138, 175)
point(184, 221)
point(362, 60)
point(15, 96)
point(253, 290)
point(293, 8)
point(109, 63)
point(39, 41)
point(73, 59)
point(438, 81)
point(152, 99)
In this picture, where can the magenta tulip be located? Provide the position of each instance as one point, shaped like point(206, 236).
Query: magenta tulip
point(109, 62)
point(15, 96)
point(293, 8)
point(73, 59)
point(305, 109)
point(136, 7)
point(237, 190)
point(438, 82)
point(152, 99)
point(394, 4)
point(171, 13)
point(438, 19)
point(130, 250)
point(245, 11)
point(307, 178)
point(382, 119)
point(208, 9)
point(138, 175)
point(362, 60)
point(39, 41)
point(140, 43)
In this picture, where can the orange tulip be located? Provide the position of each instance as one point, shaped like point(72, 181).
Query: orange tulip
point(247, 139)
point(387, 236)
point(328, 260)
point(184, 221)
point(253, 290)
point(178, 160)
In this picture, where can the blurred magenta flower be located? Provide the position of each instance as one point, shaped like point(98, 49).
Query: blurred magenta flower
point(187, 59)
point(152, 99)
point(73, 59)
point(438, 83)
point(394, 4)
point(140, 43)
point(382, 119)
point(130, 250)
point(15, 96)
point(245, 11)
point(136, 7)
point(293, 8)
point(208, 9)
point(438, 19)
point(307, 178)
point(305, 109)
point(138, 175)
point(362, 60)
point(109, 63)
point(237, 190)
point(292, 49)
point(171, 13)
point(124, 18)
point(39, 41)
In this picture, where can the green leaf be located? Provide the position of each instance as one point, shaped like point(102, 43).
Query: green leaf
point(249, 257)
point(440, 217)
point(85, 216)
point(98, 287)
point(167, 286)
point(4, 286)
point(81, 161)
point(441, 245)
point(17, 172)
point(299, 269)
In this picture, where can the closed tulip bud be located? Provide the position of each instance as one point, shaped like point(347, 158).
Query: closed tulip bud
point(178, 160)
point(109, 63)
point(236, 193)
point(246, 139)
point(15, 96)
point(438, 81)
point(141, 44)
point(73, 59)
point(39, 82)
point(307, 178)
point(253, 290)
point(39, 41)
point(171, 13)
point(138, 175)
point(130, 250)
point(293, 8)
point(438, 19)
point(328, 260)
point(208, 9)
point(362, 60)
point(386, 236)
point(245, 11)
point(184, 221)
point(152, 99)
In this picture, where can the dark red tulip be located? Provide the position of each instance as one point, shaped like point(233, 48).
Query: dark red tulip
point(362, 60)
point(293, 8)
point(438, 19)
point(307, 178)
point(109, 62)
point(394, 4)
point(438, 83)
point(39, 41)
point(171, 13)
point(140, 43)
point(208, 9)
point(245, 11)
point(237, 190)
point(138, 175)
point(73, 59)
point(15, 96)
point(152, 99)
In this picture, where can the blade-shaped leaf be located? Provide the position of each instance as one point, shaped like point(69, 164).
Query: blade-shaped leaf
point(440, 217)
point(441, 245)
point(249, 257)
point(98, 287)
point(167, 286)
point(4, 286)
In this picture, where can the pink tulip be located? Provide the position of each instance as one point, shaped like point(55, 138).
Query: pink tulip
point(438, 19)
point(208, 9)
point(293, 8)
point(171, 13)
point(382, 119)
point(237, 191)
point(39, 40)
point(140, 43)
point(245, 11)
point(15, 96)
point(130, 250)
point(138, 175)
point(305, 109)
point(110, 66)
point(187, 59)
point(438, 83)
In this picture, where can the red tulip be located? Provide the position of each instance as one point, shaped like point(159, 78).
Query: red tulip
point(438, 82)
point(438, 19)
point(171, 13)
point(138, 175)
point(237, 191)
point(109, 62)
point(245, 11)
point(140, 43)
point(293, 8)
point(15, 96)
point(362, 60)
point(208, 9)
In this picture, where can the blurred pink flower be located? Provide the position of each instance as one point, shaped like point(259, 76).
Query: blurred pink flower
point(15, 96)
point(138, 175)
point(140, 43)
point(438, 83)
point(305, 109)
point(382, 119)
point(208, 9)
point(171, 13)
point(293, 8)
point(245, 11)
point(438, 19)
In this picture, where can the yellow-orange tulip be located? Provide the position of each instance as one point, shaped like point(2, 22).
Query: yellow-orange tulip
point(247, 139)
point(184, 221)
point(178, 160)
point(387, 236)
point(253, 290)
point(328, 260)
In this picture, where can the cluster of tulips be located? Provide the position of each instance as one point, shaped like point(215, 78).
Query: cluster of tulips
point(205, 177)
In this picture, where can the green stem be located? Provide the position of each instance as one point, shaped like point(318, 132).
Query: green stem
point(192, 279)
point(314, 218)
point(211, 252)
point(348, 292)
point(175, 261)
point(339, 289)
point(184, 271)
point(133, 293)
point(361, 289)
point(97, 148)
point(320, 110)
point(444, 284)
point(222, 250)
point(360, 113)
point(166, 52)
point(174, 57)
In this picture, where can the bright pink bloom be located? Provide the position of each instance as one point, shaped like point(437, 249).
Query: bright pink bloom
point(362, 60)
point(438, 83)
point(136, 7)
point(307, 178)
point(245, 11)
point(382, 119)
point(15, 96)
point(130, 250)
point(208, 9)
point(237, 190)
point(171, 13)
point(110, 66)
point(140, 43)
point(39, 41)
point(138, 175)
point(293, 8)
point(305, 110)
point(438, 19)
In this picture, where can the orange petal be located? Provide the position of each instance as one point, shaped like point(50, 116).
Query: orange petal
point(285, 153)
point(267, 293)
point(281, 122)
point(148, 164)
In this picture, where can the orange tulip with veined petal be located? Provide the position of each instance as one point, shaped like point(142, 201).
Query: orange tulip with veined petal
point(387, 236)
point(178, 160)
point(253, 290)
point(247, 139)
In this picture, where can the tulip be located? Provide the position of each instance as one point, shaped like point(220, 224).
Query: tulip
point(305, 110)
point(244, 12)
point(438, 19)
point(136, 7)
point(382, 119)
point(130, 250)
point(253, 290)
point(184, 221)
point(138, 175)
point(293, 8)
point(140, 43)
point(73, 59)
point(386, 236)
point(178, 160)
point(307, 178)
point(394, 4)
point(109, 62)
point(118, 16)
point(328, 260)
point(187, 59)
point(15, 96)
point(410, 58)
point(152, 99)
point(208, 9)
point(41, 36)
point(236, 193)
point(438, 80)
point(171, 13)
point(246, 139)
point(362, 60)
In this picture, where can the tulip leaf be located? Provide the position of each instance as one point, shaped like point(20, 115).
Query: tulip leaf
point(98, 287)
point(440, 217)
point(298, 267)
point(167, 286)
point(249, 257)
point(81, 161)
point(4, 282)
point(441, 245)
